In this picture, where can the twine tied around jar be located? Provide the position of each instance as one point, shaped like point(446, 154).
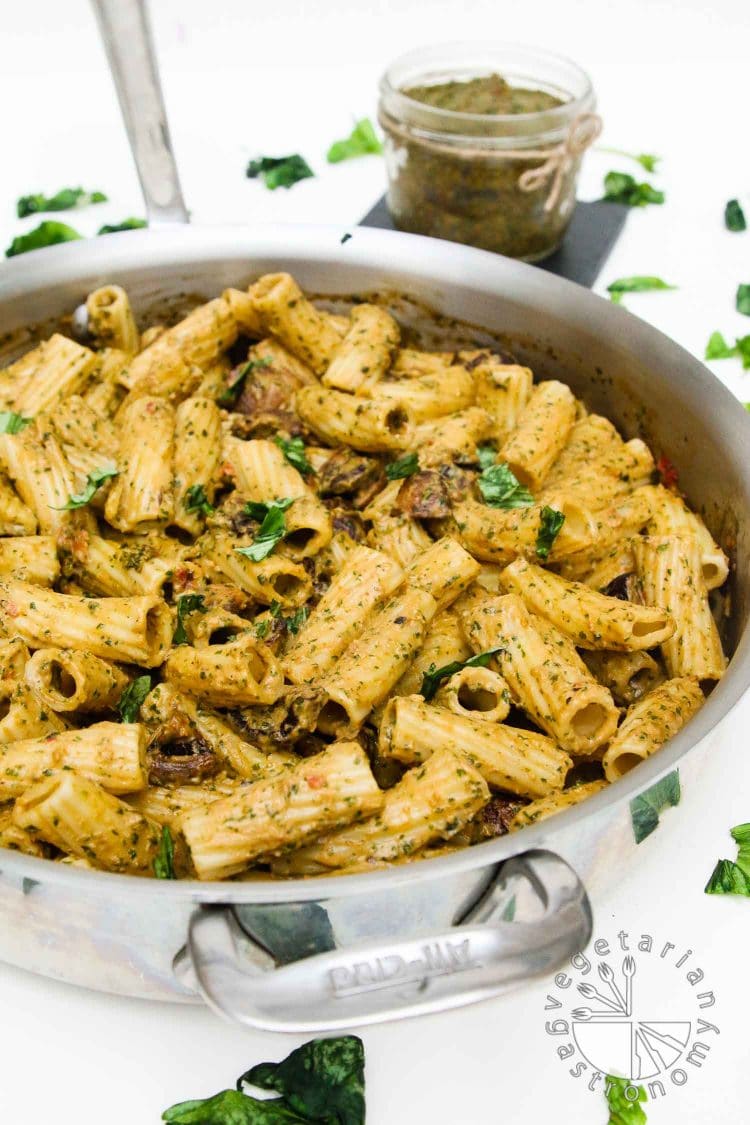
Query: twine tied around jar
point(558, 161)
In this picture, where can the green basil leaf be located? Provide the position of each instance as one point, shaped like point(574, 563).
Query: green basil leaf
point(728, 878)
point(743, 299)
point(48, 233)
point(734, 216)
point(624, 1109)
point(230, 393)
point(164, 858)
point(197, 501)
point(126, 224)
point(324, 1080)
point(405, 466)
point(646, 807)
point(718, 348)
point(635, 285)
point(94, 481)
point(647, 160)
point(186, 604)
point(11, 423)
point(621, 187)
point(279, 171)
point(297, 620)
point(294, 451)
point(500, 488)
point(63, 200)
point(272, 527)
point(131, 699)
point(486, 456)
point(550, 526)
point(362, 140)
point(433, 677)
point(231, 1107)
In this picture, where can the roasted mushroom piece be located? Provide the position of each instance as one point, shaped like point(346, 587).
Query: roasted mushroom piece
point(424, 496)
point(353, 475)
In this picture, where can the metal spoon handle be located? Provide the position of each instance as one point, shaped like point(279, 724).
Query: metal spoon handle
point(126, 32)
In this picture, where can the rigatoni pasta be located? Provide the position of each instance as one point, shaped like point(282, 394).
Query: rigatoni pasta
point(283, 594)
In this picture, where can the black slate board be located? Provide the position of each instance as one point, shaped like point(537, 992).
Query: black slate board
point(593, 231)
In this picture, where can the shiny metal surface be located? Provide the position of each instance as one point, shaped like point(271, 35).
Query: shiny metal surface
point(129, 44)
point(123, 934)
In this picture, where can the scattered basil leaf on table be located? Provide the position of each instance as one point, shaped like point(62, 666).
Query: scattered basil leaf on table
point(433, 677)
point(294, 451)
point(197, 501)
point(734, 216)
point(126, 224)
point(131, 699)
point(94, 481)
point(549, 528)
point(324, 1080)
point(718, 348)
point(164, 858)
point(63, 200)
point(405, 466)
point(362, 140)
point(623, 1110)
point(48, 233)
point(733, 877)
point(231, 1107)
point(647, 160)
point(279, 171)
point(231, 392)
point(646, 807)
point(186, 604)
point(747, 406)
point(12, 423)
point(742, 299)
point(272, 527)
point(621, 187)
point(635, 285)
point(500, 487)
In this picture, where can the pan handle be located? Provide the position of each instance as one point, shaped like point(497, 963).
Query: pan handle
point(483, 956)
point(126, 33)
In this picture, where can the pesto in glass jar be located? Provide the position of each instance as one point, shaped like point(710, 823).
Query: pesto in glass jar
point(462, 125)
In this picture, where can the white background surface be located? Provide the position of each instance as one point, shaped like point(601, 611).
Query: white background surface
point(243, 79)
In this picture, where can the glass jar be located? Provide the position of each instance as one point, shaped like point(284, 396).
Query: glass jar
point(502, 181)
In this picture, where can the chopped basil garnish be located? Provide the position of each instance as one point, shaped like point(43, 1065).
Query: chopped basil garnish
point(362, 140)
point(197, 501)
point(433, 677)
point(297, 620)
point(732, 877)
point(63, 200)
point(279, 171)
point(549, 529)
point(405, 466)
point(164, 858)
point(272, 528)
point(635, 285)
point(734, 216)
point(186, 604)
point(294, 451)
point(131, 699)
point(229, 395)
point(621, 187)
point(94, 481)
point(126, 224)
point(48, 233)
point(499, 486)
point(11, 423)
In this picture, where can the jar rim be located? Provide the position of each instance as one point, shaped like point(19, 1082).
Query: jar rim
point(430, 117)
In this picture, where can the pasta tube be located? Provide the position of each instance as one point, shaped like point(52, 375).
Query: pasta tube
point(554, 803)
point(134, 630)
point(429, 396)
point(36, 464)
point(366, 578)
point(142, 495)
point(431, 802)
point(650, 722)
point(112, 754)
point(18, 839)
point(327, 791)
point(197, 447)
point(476, 693)
point(444, 570)
point(545, 675)
point(84, 820)
point(370, 425)
point(110, 319)
point(541, 433)
point(628, 675)
point(503, 389)
point(287, 314)
point(56, 368)
point(452, 437)
point(242, 671)
point(444, 643)
point(364, 354)
point(15, 517)
point(499, 536)
point(66, 680)
point(275, 579)
point(520, 761)
point(23, 715)
point(671, 516)
point(671, 574)
point(30, 558)
point(590, 619)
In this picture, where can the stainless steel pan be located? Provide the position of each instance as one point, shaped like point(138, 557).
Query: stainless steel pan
point(327, 953)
